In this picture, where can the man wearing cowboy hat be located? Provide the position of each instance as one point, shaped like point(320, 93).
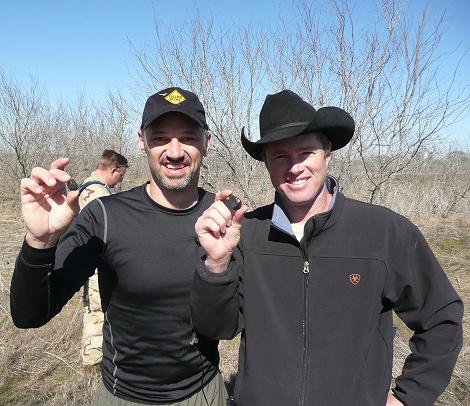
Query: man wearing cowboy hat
point(311, 280)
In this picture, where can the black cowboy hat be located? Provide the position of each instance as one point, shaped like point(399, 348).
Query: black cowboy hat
point(285, 115)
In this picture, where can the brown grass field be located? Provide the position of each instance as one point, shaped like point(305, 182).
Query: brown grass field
point(42, 366)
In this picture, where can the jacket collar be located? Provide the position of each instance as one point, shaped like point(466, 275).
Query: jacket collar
point(314, 224)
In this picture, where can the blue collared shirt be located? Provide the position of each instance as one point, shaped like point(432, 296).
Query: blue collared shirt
point(280, 219)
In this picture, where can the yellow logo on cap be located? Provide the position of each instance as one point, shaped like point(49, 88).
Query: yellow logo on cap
point(175, 97)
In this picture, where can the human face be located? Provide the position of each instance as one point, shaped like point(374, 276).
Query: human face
point(298, 168)
point(117, 175)
point(175, 146)
point(113, 175)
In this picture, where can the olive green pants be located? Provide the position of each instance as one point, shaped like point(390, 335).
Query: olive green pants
point(213, 394)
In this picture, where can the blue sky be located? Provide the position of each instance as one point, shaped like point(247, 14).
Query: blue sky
point(82, 46)
point(74, 47)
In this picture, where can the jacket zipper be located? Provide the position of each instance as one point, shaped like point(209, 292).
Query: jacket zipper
point(305, 271)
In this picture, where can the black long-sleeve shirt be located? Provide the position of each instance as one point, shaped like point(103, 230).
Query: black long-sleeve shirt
point(145, 255)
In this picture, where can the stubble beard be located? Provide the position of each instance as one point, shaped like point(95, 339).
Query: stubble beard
point(173, 184)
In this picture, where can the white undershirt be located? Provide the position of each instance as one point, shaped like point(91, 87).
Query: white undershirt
point(298, 230)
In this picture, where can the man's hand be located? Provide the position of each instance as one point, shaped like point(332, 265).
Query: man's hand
point(46, 206)
point(218, 232)
point(393, 401)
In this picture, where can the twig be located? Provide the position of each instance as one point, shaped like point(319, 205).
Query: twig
point(65, 362)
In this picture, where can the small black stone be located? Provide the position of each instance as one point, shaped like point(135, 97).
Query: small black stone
point(233, 203)
point(72, 185)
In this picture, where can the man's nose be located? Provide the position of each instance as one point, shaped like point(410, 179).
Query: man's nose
point(174, 150)
point(296, 166)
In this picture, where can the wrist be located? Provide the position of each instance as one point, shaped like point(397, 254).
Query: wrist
point(217, 265)
point(43, 242)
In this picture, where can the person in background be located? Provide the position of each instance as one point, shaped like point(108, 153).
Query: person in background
point(143, 243)
point(312, 279)
point(110, 171)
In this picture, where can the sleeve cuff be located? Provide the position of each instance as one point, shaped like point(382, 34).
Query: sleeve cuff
point(37, 257)
point(397, 395)
point(229, 275)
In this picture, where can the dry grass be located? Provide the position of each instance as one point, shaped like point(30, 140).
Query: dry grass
point(229, 361)
point(42, 366)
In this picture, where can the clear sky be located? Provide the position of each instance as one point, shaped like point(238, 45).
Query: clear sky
point(74, 47)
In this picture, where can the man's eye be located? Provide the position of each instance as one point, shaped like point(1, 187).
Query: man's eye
point(158, 140)
point(188, 139)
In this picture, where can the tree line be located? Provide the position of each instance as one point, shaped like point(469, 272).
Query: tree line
point(388, 75)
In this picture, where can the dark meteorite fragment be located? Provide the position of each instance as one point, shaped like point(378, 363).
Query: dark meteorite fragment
point(233, 203)
point(72, 185)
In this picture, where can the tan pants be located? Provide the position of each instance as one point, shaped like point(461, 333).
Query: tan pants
point(213, 394)
point(92, 336)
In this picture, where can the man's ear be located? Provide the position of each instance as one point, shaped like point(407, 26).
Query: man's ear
point(141, 141)
point(263, 156)
point(207, 142)
point(328, 156)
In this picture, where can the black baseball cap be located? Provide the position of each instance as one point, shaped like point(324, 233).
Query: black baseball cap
point(173, 99)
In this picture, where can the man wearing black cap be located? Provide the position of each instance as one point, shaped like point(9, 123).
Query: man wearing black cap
point(315, 277)
point(142, 242)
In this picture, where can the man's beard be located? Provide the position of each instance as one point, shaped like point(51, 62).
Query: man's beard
point(173, 183)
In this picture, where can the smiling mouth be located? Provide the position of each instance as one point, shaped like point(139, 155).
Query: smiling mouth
point(175, 166)
point(296, 181)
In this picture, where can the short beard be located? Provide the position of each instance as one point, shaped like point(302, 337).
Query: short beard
point(174, 184)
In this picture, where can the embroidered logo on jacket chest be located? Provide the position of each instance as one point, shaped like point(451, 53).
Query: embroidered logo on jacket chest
point(354, 278)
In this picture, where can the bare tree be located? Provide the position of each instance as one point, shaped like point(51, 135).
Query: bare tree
point(388, 77)
point(456, 180)
point(115, 124)
point(225, 69)
point(21, 129)
point(34, 130)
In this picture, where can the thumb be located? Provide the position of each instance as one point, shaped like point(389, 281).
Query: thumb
point(238, 216)
point(60, 163)
point(72, 201)
point(222, 194)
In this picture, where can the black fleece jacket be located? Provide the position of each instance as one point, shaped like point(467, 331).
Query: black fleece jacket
point(145, 254)
point(316, 316)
